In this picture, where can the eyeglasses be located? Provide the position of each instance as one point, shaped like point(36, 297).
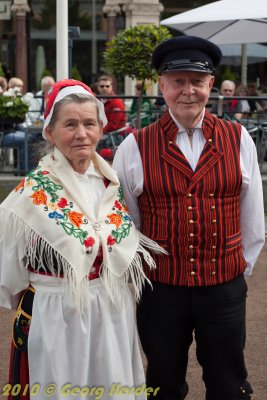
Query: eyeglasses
point(104, 86)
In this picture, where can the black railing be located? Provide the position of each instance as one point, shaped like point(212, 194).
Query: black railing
point(10, 154)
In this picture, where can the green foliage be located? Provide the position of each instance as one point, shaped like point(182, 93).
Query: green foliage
point(47, 17)
point(129, 52)
point(12, 107)
point(46, 72)
point(1, 70)
point(75, 74)
point(228, 74)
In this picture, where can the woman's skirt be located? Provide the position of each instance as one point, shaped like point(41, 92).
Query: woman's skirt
point(60, 352)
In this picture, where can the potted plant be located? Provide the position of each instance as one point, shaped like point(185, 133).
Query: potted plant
point(13, 108)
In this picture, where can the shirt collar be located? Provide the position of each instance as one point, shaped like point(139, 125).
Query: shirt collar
point(180, 126)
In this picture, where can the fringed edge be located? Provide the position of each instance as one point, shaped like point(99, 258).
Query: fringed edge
point(40, 253)
point(117, 287)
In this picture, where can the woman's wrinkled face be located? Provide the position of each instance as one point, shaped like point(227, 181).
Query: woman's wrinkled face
point(76, 131)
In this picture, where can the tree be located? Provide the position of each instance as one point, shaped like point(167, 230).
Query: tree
point(129, 54)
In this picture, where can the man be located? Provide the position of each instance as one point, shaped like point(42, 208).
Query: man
point(233, 108)
point(192, 183)
point(114, 107)
point(38, 102)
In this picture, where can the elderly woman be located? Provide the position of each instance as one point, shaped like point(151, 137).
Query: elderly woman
point(67, 252)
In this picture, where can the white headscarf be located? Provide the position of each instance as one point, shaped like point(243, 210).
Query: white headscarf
point(66, 91)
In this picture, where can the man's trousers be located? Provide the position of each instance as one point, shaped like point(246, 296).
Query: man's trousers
point(167, 318)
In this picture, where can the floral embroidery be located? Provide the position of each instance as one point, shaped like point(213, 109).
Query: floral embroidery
point(20, 185)
point(111, 240)
point(120, 219)
point(46, 192)
point(62, 202)
point(118, 205)
point(39, 197)
point(89, 243)
point(76, 218)
point(58, 208)
point(52, 206)
point(115, 219)
point(55, 215)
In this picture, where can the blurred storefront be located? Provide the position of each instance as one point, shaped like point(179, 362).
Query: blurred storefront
point(28, 33)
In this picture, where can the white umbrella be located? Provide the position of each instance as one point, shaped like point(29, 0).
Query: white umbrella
point(225, 22)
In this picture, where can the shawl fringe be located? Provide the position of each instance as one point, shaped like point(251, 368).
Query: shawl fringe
point(117, 286)
point(43, 256)
point(40, 254)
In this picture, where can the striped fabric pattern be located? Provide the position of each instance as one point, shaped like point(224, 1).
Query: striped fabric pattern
point(194, 215)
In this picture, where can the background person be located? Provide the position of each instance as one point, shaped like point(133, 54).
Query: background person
point(191, 182)
point(114, 107)
point(37, 107)
point(67, 252)
point(145, 110)
point(242, 90)
point(254, 104)
point(233, 108)
point(3, 85)
point(16, 84)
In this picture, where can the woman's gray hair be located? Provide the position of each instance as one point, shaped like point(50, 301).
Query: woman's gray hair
point(78, 98)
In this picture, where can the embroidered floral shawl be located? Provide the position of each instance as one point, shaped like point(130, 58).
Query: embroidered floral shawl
point(49, 208)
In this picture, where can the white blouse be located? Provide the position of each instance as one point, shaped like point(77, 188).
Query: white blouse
point(128, 164)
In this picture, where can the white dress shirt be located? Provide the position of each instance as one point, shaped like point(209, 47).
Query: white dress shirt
point(128, 164)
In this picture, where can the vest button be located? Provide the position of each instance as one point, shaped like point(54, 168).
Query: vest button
point(191, 246)
point(214, 221)
point(190, 208)
point(212, 207)
point(214, 234)
point(213, 273)
point(213, 247)
point(192, 259)
point(210, 140)
point(191, 234)
point(189, 194)
point(191, 221)
point(211, 195)
point(213, 260)
point(192, 273)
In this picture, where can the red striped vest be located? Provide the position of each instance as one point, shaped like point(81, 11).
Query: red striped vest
point(194, 215)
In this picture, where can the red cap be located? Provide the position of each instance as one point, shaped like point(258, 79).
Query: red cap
point(53, 92)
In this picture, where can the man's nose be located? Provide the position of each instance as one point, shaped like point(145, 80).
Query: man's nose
point(188, 89)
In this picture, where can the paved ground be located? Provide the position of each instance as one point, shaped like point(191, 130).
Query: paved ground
point(256, 349)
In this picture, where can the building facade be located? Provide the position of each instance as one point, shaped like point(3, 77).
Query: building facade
point(28, 33)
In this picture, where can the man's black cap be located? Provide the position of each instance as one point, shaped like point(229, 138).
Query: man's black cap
point(186, 53)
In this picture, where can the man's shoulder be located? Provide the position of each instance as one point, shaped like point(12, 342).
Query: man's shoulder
point(117, 102)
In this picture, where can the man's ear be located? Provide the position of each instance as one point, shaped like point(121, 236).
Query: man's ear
point(160, 83)
point(211, 82)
